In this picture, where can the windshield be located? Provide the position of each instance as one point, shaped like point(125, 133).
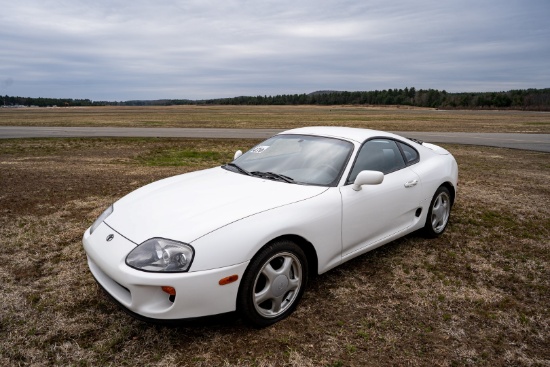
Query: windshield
point(301, 159)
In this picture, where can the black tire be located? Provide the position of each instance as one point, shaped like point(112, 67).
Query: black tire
point(273, 284)
point(439, 213)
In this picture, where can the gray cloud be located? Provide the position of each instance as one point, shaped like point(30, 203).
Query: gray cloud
point(120, 50)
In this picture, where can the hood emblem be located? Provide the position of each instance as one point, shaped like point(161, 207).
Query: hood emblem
point(110, 237)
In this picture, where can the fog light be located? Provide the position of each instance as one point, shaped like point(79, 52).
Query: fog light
point(170, 290)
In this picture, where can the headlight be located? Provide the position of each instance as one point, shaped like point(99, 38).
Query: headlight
point(161, 255)
point(101, 218)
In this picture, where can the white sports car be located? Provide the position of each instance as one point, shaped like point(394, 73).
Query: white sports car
point(246, 236)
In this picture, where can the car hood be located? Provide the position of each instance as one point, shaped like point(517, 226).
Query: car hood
point(188, 206)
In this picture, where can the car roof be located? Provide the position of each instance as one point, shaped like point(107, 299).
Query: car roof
point(348, 133)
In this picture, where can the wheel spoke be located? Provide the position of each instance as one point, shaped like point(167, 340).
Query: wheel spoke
point(287, 267)
point(439, 212)
point(263, 295)
point(276, 303)
point(435, 222)
point(269, 273)
point(293, 284)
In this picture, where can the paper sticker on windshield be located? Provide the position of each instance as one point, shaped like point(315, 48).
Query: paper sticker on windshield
point(259, 149)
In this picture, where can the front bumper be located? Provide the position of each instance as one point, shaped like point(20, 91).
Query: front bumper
point(197, 293)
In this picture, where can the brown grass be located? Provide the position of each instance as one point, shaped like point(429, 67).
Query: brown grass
point(478, 295)
point(381, 118)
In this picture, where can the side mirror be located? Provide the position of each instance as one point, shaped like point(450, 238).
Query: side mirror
point(367, 178)
point(238, 153)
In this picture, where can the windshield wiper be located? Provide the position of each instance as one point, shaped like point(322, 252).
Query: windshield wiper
point(239, 168)
point(282, 177)
point(273, 175)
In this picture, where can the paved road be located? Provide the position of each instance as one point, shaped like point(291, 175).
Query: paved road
point(536, 142)
point(74, 132)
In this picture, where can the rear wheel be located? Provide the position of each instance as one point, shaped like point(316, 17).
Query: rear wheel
point(273, 283)
point(438, 215)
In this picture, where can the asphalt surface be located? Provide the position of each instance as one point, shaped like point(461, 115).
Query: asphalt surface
point(536, 142)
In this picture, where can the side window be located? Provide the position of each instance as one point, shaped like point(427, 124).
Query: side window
point(377, 155)
point(411, 155)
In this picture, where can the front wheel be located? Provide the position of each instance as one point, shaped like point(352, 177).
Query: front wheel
point(273, 283)
point(438, 215)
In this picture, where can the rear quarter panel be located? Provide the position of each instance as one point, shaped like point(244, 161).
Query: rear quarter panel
point(434, 170)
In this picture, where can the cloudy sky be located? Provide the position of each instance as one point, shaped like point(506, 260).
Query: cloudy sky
point(121, 50)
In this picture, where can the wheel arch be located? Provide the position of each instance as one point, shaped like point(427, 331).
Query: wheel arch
point(451, 189)
point(305, 245)
point(309, 250)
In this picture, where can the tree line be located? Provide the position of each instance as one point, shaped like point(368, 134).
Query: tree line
point(521, 99)
point(526, 99)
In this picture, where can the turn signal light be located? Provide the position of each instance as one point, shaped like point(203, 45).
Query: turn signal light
point(170, 290)
point(229, 279)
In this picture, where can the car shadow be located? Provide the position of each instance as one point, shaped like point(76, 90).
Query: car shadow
point(319, 283)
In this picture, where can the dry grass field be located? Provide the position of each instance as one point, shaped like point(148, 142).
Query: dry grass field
point(479, 295)
point(380, 118)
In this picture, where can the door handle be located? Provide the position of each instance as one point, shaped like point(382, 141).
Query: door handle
point(411, 183)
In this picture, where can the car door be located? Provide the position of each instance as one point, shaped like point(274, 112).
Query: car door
point(377, 212)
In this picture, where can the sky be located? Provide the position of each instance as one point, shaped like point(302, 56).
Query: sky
point(113, 50)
